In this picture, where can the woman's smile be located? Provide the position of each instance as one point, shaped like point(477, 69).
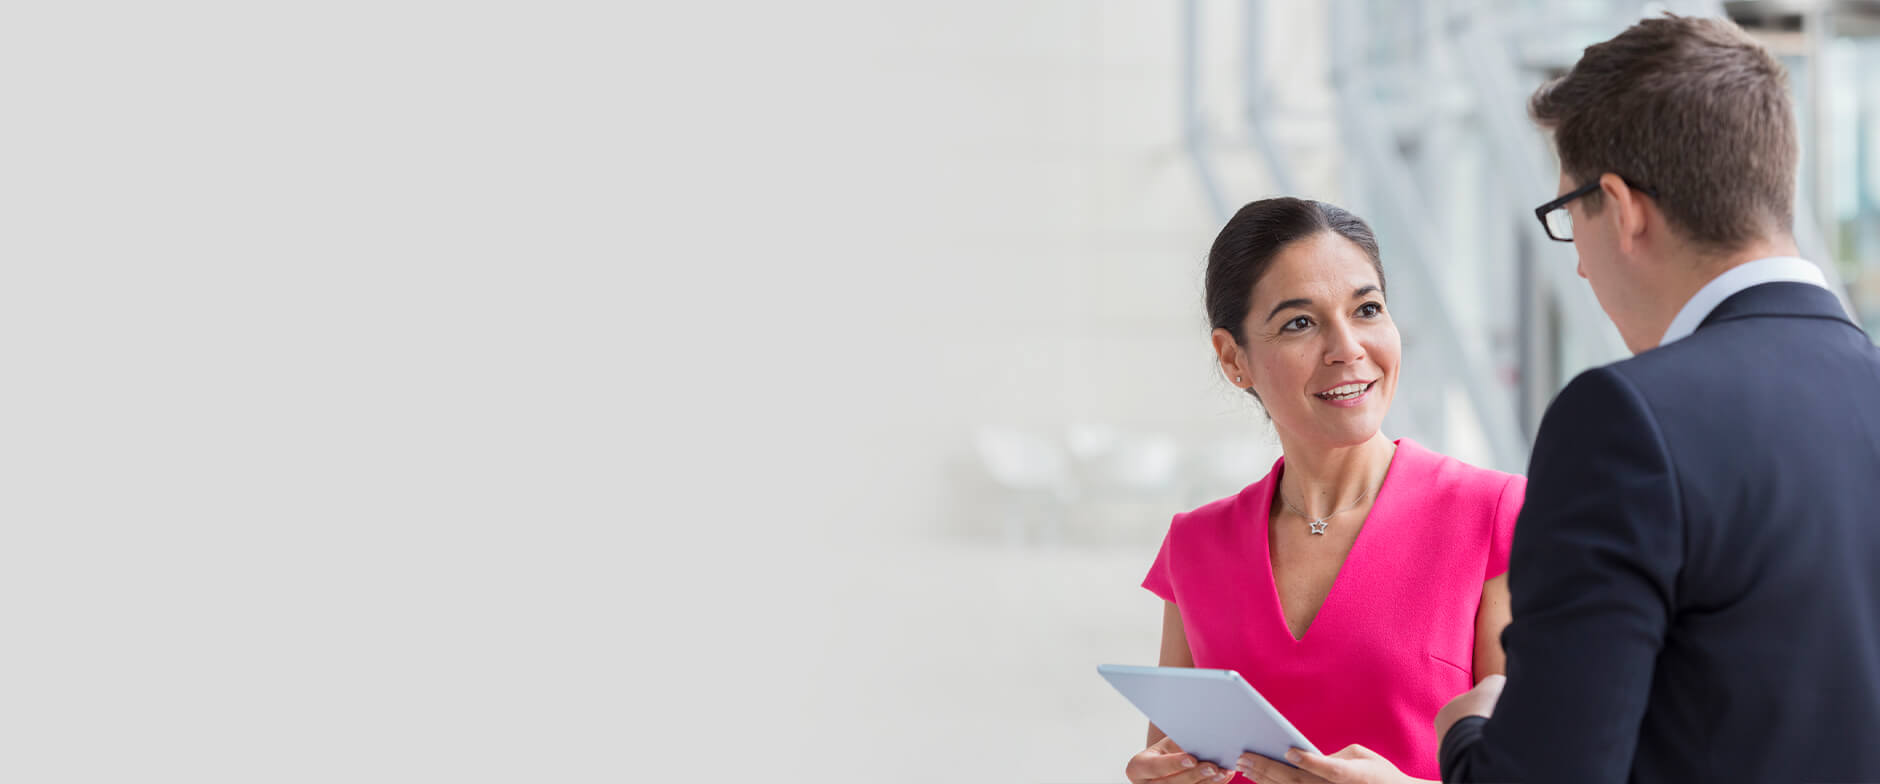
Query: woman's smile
point(1347, 395)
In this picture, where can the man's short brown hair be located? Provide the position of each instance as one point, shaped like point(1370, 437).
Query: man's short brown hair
point(1692, 108)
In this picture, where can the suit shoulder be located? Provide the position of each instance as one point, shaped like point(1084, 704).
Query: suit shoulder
point(1622, 383)
point(1702, 354)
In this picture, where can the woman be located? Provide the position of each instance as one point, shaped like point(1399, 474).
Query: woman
point(1360, 585)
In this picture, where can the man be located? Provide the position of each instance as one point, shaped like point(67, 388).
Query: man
point(1695, 576)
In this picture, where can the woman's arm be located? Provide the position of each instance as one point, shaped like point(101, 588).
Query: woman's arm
point(1493, 616)
point(1175, 651)
point(1163, 762)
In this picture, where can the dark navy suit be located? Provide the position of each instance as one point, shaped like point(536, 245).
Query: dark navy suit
point(1696, 572)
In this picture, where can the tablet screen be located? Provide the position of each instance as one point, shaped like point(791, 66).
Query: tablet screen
point(1214, 715)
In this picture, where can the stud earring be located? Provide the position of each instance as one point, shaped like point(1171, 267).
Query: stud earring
point(1236, 379)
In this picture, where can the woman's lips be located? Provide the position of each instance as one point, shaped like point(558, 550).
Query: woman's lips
point(1347, 395)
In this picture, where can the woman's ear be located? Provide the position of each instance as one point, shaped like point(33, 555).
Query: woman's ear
point(1233, 359)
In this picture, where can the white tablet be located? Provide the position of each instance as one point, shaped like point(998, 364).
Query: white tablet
point(1213, 714)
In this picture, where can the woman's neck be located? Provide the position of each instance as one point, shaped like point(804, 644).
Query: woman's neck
point(1324, 480)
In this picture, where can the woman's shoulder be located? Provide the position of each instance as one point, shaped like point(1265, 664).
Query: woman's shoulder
point(1465, 498)
point(1456, 481)
point(1229, 509)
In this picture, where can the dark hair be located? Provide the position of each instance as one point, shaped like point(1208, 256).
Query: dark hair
point(1693, 108)
point(1256, 234)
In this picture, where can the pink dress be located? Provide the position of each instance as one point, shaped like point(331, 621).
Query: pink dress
point(1395, 639)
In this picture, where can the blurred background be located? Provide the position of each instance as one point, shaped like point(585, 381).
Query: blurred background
point(797, 391)
point(1018, 360)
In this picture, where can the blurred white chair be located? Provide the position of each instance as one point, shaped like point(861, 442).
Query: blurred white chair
point(1225, 466)
point(1144, 463)
point(1131, 482)
point(1089, 442)
point(1034, 475)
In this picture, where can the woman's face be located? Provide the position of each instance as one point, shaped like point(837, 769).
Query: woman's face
point(1320, 349)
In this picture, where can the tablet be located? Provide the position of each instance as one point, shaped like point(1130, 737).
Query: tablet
point(1214, 715)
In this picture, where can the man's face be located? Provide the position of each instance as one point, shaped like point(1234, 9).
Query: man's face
point(1605, 266)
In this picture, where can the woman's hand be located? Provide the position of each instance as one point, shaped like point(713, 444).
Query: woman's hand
point(1353, 765)
point(1165, 763)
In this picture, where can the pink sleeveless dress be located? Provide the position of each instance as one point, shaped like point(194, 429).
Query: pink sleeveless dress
point(1395, 639)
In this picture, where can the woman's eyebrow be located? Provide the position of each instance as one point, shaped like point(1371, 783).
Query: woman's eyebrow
point(1291, 303)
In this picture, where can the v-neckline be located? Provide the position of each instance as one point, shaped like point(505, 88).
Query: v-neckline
point(1266, 542)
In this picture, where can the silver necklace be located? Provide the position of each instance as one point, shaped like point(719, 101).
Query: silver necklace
point(1318, 526)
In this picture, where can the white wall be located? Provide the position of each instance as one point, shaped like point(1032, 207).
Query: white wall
point(983, 216)
point(550, 391)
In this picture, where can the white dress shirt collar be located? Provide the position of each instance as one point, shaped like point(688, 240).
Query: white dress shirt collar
point(1752, 273)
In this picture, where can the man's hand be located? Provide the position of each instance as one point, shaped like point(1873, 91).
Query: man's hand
point(1479, 701)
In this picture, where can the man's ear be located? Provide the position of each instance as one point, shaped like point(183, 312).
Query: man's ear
point(1627, 208)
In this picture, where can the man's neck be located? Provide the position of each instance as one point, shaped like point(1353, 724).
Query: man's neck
point(1691, 270)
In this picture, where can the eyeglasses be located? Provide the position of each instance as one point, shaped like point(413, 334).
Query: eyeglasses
point(1559, 223)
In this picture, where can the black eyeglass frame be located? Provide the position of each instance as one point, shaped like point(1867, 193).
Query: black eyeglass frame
point(1540, 213)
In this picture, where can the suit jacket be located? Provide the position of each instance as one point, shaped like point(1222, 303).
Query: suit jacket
point(1696, 573)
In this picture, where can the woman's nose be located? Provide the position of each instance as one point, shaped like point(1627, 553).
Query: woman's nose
point(1344, 348)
